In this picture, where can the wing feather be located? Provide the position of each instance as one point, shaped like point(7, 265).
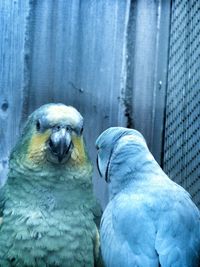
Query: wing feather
point(127, 234)
point(178, 233)
point(154, 226)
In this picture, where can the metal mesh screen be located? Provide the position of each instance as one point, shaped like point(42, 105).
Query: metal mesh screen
point(182, 128)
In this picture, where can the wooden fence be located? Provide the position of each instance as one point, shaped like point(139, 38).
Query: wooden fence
point(109, 59)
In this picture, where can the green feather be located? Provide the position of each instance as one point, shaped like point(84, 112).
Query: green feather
point(47, 212)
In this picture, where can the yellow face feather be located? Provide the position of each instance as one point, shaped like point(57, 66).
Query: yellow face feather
point(37, 145)
point(78, 153)
point(37, 148)
point(54, 115)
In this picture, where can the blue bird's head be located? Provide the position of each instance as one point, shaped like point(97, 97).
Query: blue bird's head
point(121, 153)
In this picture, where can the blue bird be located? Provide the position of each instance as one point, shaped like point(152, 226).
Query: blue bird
point(150, 221)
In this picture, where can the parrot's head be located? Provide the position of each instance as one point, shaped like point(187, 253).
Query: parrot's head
point(52, 135)
point(120, 152)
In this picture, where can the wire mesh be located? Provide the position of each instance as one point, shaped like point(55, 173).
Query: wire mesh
point(182, 128)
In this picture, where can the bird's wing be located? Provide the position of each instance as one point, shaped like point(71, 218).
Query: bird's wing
point(178, 230)
point(3, 171)
point(2, 202)
point(3, 178)
point(97, 213)
point(152, 228)
point(128, 234)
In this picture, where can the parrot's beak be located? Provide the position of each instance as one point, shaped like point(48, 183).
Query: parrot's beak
point(99, 168)
point(97, 161)
point(60, 144)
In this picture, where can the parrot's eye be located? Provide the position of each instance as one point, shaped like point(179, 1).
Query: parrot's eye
point(56, 127)
point(38, 125)
point(68, 128)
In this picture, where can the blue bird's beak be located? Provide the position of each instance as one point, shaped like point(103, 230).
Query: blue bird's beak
point(97, 162)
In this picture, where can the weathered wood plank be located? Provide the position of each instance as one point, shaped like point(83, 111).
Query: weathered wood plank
point(12, 30)
point(77, 52)
point(76, 57)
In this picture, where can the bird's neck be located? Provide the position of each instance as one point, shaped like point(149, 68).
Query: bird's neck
point(136, 173)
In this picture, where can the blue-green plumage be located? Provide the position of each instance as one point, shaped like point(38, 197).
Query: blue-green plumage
point(47, 217)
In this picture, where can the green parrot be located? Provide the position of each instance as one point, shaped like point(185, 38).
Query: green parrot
point(48, 204)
